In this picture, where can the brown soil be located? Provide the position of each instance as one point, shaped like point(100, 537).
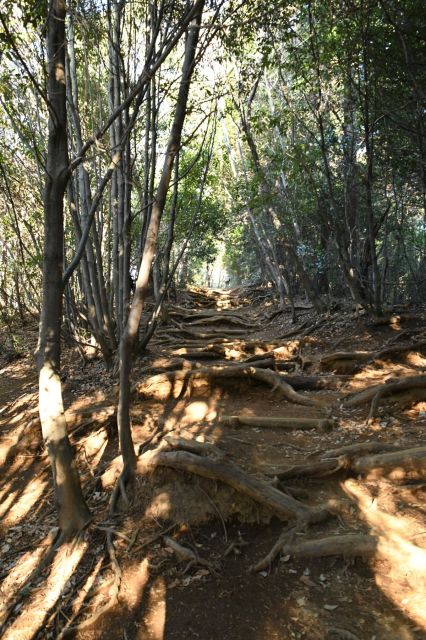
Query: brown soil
point(162, 597)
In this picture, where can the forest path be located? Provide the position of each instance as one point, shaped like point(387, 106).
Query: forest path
point(183, 395)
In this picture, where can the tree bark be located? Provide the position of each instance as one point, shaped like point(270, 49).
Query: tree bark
point(72, 509)
point(130, 333)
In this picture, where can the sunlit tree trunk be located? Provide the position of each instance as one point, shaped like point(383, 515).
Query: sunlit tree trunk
point(72, 509)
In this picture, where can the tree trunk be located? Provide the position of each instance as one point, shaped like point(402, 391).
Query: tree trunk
point(130, 333)
point(73, 512)
point(368, 141)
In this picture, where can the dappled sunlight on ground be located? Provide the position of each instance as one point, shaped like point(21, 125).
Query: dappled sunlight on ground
point(137, 575)
point(88, 588)
point(160, 507)
point(155, 618)
point(378, 374)
point(416, 359)
point(19, 573)
point(16, 506)
point(402, 577)
point(36, 613)
point(94, 447)
point(160, 597)
point(198, 410)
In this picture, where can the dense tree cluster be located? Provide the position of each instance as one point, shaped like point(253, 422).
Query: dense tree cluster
point(330, 157)
point(140, 138)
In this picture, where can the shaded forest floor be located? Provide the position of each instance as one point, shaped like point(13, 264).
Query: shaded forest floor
point(128, 579)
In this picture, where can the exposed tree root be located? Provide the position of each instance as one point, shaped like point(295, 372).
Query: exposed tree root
point(294, 492)
point(212, 352)
point(317, 469)
point(255, 347)
point(415, 385)
point(283, 506)
point(346, 359)
point(297, 307)
point(268, 360)
point(192, 314)
point(205, 459)
point(181, 364)
point(194, 342)
point(184, 554)
point(358, 448)
point(193, 446)
point(163, 385)
point(349, 546)
point(396, 464)
point(261, 363)
point(341, 359)
point(169, 364)
point(193, 346)
point(252, 360)
point(295, 331)
point(204, 335)
point(220, 319)
point(315, 383)
point(394, 319)
point(273, 314)
point(398, 349)
point(280, 423)
point(307, 330)
point(359, 398)
point(125, 479)
point(403, 334)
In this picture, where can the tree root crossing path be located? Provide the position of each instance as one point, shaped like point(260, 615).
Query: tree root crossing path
point(279, 489)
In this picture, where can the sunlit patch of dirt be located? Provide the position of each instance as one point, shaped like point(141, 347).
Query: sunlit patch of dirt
point(155, 618)
point(19, 572)
point(401, 546)
point(19, 502)
point(136, 576)
point(95, 446)
point(35, 614)
point(417, 411)
point(416, 360)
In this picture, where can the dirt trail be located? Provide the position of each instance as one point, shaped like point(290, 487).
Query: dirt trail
point(186, 549)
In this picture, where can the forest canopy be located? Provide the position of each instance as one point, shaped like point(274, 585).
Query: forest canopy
point(304, 128)
point(197, 197)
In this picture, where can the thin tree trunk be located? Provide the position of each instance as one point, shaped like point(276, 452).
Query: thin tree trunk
point(168, 273)
point(261, 236)
point(131, 330)
point(368, 139)
point(73, 512)
point(94, 283)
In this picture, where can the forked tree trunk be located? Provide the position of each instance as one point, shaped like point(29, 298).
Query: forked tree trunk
point(130, 332)
point(72, 509)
